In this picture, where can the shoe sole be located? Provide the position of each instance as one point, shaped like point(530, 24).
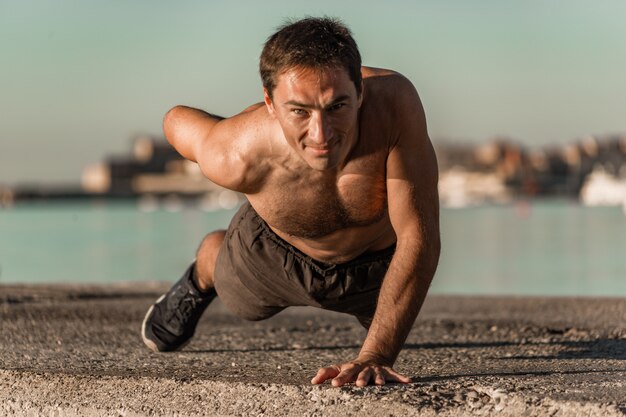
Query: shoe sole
point(151, 345)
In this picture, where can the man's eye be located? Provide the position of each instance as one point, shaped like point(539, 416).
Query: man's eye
point(299, 112)
point(337, 106)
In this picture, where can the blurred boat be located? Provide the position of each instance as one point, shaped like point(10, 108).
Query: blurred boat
point(603, 189)
point(461, 188)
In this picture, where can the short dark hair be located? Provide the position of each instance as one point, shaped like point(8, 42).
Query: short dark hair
point(318, 43)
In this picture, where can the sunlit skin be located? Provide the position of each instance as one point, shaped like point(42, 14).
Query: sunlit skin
point(317, 111)
point(313, 145)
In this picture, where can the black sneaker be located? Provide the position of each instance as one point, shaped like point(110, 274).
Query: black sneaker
point(171, 321)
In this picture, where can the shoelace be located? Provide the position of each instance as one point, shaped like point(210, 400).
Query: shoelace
point(187, 307)
point(181, 305)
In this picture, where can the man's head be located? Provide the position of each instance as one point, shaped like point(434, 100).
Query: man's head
point(311, 43)
point(311, 72)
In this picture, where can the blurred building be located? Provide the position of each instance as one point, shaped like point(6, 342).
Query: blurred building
point(152, 172)
point(153, 167)
point(500, 170)
point(496, 171)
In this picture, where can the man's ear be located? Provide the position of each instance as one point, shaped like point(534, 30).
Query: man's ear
point(361, 95)
point(268, 102)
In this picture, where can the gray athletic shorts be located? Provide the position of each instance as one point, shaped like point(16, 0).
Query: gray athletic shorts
point(258, 274)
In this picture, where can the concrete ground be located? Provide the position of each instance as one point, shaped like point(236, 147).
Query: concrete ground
point(76, 350)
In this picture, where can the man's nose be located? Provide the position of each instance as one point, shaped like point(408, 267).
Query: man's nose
point(320, 131)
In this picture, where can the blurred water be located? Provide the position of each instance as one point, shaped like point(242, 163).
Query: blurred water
point(541, 248)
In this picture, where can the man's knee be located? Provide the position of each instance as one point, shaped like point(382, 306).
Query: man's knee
point(211, 243)
point(206, 257)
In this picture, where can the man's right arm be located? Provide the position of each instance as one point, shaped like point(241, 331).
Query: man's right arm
point(224, 148)
point(185, 128)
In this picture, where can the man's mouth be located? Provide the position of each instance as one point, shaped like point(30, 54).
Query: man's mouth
point(318, 150)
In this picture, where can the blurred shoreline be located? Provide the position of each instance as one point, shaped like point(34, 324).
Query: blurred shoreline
point(591, 170)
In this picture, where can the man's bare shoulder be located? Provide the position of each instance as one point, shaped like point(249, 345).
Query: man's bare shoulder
point(371, 72)
point(253, 107)
point(249, 127)
point(240, 162)
point(392, 99)
point(385, 84)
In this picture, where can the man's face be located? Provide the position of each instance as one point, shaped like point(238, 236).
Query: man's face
point(318, 113)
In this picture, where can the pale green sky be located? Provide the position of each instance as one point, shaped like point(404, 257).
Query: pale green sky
point(79, 78)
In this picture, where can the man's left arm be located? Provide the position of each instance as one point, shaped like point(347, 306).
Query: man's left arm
point(414, 213)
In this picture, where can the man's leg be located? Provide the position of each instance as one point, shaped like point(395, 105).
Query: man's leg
point(171, 322)
point(206, 257)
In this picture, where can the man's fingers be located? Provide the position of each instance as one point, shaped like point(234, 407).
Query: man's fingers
point(364, 377)
point(325, 373)
point(347, 374)
point(361, 374)
point(379, 377)
point(391, 375)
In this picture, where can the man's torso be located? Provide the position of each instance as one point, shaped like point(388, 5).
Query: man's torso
point(336, 215)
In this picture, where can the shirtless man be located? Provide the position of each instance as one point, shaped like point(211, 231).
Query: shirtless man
point(342, 211)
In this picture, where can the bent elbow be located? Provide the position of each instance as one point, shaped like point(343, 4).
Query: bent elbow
point(170, 121)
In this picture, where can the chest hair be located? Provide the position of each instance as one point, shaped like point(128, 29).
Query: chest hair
point(315, 209)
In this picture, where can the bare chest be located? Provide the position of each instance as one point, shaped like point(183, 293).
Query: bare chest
point(315, 206)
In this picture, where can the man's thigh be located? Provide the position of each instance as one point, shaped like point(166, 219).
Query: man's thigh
point(250, 277)
point(240, 300)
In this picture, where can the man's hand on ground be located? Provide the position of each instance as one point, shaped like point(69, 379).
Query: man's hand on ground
point(363, 372)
